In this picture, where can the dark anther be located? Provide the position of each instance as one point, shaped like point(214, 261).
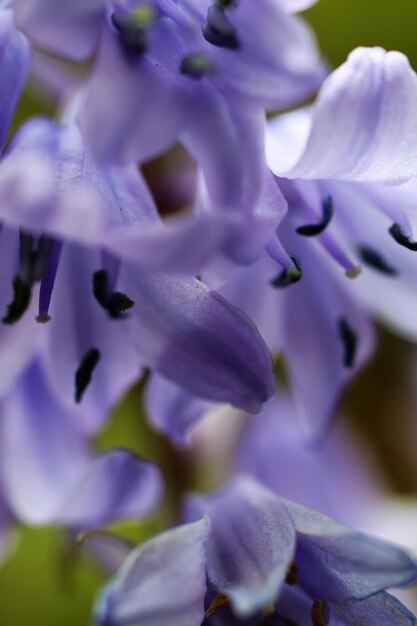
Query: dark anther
point(320, 613)
point(289, 276)
point(227, 3)
point(22, 293)
point(292, 574)
point(84, 372)
point(407, 242)
point(311, 230)
point(197, 65)
point(349, 339)
point(218, 30)
point(374, 259)
point(133, 36)
point(115, 303)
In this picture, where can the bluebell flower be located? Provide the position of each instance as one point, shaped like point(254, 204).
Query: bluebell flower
point(160, 76)
point(91, 237)
point(271, 561)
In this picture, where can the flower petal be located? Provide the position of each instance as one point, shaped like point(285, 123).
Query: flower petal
point(66, 28)
point(132, 110)
point(14, 66)
point(78, 324)
point(323, 478)
point(162, 582)
point(382, 609)
point(250, 546)
point(364, 122)
point(48, 474)
point(115, 485)
point(172, 410)
point(195, 338)
point(339, 564)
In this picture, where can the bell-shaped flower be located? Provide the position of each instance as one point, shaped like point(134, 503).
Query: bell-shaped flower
point(266, 553)
point(84, 232)
point(266, 558)
point(166, 71)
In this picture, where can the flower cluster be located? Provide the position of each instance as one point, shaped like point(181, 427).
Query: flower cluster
point(161, 226)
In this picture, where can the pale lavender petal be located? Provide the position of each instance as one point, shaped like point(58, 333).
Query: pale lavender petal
point(277, 63)
point(66, 28)
point(14, 67)
point(323, 478)
point(78, 324)
point(251, 544)
point(172, 410)
point(162, 582)
point(6, 525)
point(115, 485)
point(298, 5)
point(233, 183)
point(314, 312)
point(339, 564)
point(382, 609)
point(194, 337)
point(41, 453)
point(363, 215)
point(47, 472)
point(132, 111)
point(364, 122)
point(49, 183)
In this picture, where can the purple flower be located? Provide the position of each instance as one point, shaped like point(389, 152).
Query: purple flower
point(167, 71)
point(91, 237)
point(268, 558)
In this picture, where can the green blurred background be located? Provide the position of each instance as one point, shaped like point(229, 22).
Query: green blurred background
point(45, 580)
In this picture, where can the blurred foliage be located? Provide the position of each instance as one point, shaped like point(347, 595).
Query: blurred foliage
point(49, 581)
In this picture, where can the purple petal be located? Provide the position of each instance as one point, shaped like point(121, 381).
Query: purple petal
point(162, 582)
point(172, 410)
point(41, 452)
point(382, 609)
point(294, 6)
point(66, 28)
point(14, 66)
point(48, 474)
point(132, 110)
point(49, 183)
point(363, 214)
point(115, 485)
point(364, 122)
point(194, 337)
point(339, 564)
point(250, 546)
point(78, 324)
point(277, 63)
point(323, 478)
point(313, 311)
point(6, 525)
